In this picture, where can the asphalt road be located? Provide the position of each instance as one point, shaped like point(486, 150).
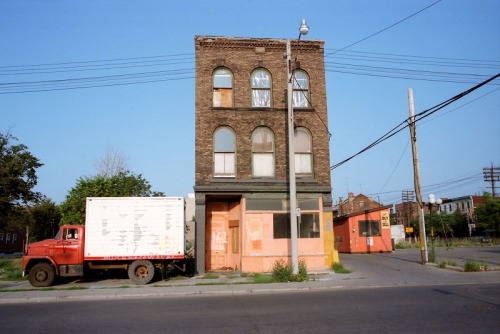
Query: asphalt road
point(470, 308)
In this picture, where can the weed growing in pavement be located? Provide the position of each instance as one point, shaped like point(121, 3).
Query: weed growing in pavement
point(338, 268)
point(283, 271)
point(471, 266)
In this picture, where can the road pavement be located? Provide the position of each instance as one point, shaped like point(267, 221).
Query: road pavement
point(399, 268)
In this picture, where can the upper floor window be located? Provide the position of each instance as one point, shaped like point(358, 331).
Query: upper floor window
point(263, 152)
point(261, 88)
point(301, 90)
point(224, 152)
point(303, 151)
point(223, 88)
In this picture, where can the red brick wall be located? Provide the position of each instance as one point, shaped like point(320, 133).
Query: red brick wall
point(242, 56)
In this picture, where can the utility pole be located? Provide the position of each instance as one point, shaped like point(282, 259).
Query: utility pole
point(492, 175)
point(407, 198)
point(416, 179)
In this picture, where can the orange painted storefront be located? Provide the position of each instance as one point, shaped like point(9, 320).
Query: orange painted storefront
point(358, 233)
point(241, 239)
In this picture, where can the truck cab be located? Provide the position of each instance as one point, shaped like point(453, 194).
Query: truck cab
point(60, 256)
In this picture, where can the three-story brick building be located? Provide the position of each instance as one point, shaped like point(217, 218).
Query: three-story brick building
point(241, 178)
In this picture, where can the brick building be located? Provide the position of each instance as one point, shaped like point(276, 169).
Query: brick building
point(241, 176)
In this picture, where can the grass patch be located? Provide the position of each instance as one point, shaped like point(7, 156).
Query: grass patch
point(11, 269)
point(338, 268)
point(446, 263)
point(406, 245)
point(210, 276)
point(263, 279)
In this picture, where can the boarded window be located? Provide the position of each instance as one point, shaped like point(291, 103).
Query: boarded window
point(222, 88)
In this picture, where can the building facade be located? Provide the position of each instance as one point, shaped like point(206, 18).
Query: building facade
point(241, 173)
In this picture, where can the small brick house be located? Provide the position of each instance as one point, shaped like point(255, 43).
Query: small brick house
point(362, 225)
point(241, 152)
point(11, 240)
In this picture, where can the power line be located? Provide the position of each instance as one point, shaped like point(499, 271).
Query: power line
point(387, 28)
point(418, 117)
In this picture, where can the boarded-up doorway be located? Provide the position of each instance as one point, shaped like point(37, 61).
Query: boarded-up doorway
point(222, 236)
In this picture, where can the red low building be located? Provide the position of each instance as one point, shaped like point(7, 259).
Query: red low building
point(362, 225)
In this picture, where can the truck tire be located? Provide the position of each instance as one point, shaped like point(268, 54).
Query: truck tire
point(42, 275)
point(141, 272)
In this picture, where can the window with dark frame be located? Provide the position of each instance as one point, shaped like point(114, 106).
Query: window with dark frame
point(308, 226)
point(369, 228)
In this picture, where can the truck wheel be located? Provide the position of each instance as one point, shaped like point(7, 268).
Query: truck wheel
point(42, 275)
point(141, 272)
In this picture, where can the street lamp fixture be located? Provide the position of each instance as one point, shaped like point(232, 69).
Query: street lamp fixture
point(304, 29)
point(432, 201)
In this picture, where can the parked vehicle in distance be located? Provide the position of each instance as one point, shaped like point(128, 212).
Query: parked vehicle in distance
point(142, 235)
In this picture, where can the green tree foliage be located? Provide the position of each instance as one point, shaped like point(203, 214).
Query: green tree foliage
point(43, 220)
point(123, 184)
point(17, 179)
point(487, 215)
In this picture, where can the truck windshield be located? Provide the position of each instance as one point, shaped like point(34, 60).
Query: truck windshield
point(58, 235)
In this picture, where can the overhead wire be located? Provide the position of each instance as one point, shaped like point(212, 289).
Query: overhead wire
point(386, 28)
point(418, 117)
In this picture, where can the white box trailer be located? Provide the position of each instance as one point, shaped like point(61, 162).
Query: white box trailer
point(128, 228)
point(142, 235)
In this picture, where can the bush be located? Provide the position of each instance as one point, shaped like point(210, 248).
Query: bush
point(471, 266)
point(283, 272)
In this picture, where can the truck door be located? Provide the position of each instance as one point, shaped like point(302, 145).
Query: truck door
point(67, 249)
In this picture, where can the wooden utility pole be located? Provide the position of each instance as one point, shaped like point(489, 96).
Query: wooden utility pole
point(416, 180)
point(492, 175)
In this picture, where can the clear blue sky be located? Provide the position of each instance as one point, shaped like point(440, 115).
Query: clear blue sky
point(452, 45)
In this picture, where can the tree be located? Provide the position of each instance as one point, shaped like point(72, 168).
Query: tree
point(17, 178)
point(487, 215)
point(112, 163)
point(123, 184)
point(43, 219)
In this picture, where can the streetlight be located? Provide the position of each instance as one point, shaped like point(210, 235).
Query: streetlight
point(432, 201)
point(303, 30)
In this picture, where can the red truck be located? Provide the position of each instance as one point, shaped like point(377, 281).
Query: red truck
point(142, 235)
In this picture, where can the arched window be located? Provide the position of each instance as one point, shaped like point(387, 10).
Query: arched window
point(303, 151)
point(261, 88)
point(263, 152)
point(222, 88)
point(300, 89)
point(224, 152)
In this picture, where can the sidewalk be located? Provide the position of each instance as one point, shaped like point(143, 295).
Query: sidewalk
point(400, 268)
